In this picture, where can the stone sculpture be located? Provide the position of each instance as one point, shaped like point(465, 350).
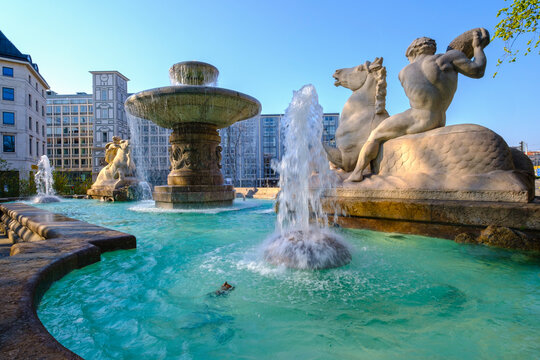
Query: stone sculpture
point(362, 113)
point(119, 163)
point(413, 150)
point(116, 181)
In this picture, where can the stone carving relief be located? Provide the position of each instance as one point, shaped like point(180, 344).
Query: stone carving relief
point(199, 156)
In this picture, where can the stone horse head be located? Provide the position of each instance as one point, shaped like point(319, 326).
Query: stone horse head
point(370, 76)
point(362, 112)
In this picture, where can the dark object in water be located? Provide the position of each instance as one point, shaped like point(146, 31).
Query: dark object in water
point(224, 290)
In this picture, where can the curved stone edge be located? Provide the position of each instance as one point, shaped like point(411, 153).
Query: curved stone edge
point(34, 265)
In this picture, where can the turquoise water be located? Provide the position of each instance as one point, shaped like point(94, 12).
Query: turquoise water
point(401, 297)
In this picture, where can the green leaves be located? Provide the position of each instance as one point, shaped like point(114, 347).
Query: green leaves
point(520, 18)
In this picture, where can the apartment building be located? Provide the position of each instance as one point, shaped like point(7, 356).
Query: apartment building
point(22, 109)
point(70, 132)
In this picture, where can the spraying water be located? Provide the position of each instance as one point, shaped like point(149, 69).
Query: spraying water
point(303, 239)
point(44, 182)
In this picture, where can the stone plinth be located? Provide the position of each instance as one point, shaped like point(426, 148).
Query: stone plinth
point(195, 180)
point(126, 190)
point(435, 218)
point(193, 196)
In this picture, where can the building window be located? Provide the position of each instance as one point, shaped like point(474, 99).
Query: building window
point(9, 143)
point(7, 71)
point(42, 110)
point(103, 94)
point(30, 100)
point(37, 127)
point(42, 129)
point(8, 94)
point(37, 107)
point(29, 123)
point(8, 118)
point(30, 146)
point(29, 79)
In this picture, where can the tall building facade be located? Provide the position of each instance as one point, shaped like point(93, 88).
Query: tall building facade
point(109, 94)
point(251, 146)
point(22, 109)
point(70, 132)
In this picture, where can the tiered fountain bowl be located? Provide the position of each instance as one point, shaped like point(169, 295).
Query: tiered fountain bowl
point(194, 111)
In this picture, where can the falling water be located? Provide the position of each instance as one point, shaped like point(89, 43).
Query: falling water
point(140, 153)
point(193, 73)
point(303, 239)
point(44, 182)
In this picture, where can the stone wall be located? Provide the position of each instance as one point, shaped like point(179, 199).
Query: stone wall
point(438, 218)
point(258, 193)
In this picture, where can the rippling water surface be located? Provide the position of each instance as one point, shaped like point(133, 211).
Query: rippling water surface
point(401, 297)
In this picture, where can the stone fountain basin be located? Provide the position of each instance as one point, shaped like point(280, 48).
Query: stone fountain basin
point(172, 105)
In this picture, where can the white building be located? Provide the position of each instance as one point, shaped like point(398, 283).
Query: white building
point(22, 109)
point(70, 133)
point(109, 94)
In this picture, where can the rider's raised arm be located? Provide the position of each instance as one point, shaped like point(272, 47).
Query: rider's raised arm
point(472, 68)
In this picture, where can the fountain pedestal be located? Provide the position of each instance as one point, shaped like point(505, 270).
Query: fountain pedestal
point(195, 179)
point(195, 112)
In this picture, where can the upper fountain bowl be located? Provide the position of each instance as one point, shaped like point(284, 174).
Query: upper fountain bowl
point(193, 73)
point(193, 102)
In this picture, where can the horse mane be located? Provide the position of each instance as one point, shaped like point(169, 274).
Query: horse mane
point(380, 90)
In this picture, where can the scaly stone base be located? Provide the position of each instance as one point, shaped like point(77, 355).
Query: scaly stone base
point(193, 196)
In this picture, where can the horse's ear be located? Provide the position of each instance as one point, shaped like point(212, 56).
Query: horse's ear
point(376, 64)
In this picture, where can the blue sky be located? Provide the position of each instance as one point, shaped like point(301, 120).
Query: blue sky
point(267, 49)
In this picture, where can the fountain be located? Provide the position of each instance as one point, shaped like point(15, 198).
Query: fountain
point(44, 182)
point(299, 242)
point(194, 110)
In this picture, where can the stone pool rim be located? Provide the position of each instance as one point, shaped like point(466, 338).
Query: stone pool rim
point(51, 246)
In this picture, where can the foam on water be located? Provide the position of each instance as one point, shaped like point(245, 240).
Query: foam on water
point(304, 240)
point(148, 206)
